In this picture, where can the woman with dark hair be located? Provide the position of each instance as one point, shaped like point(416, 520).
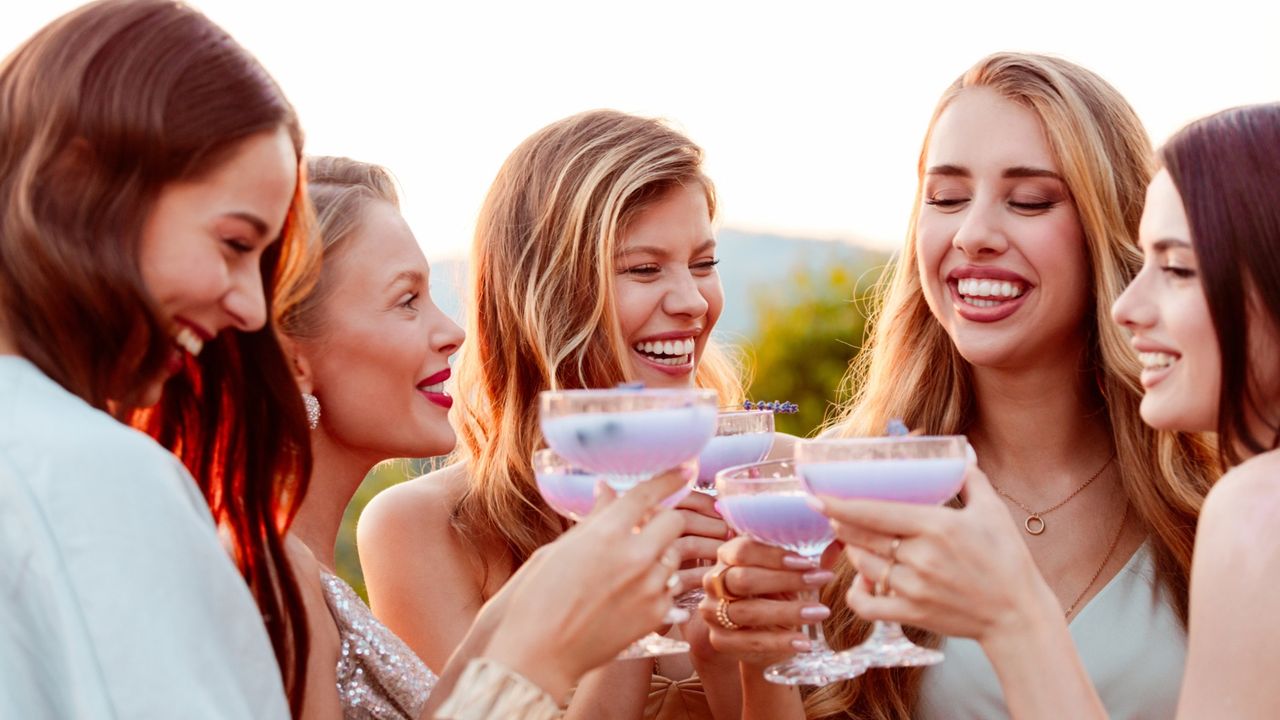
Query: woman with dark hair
point(151, 203)
point(1205, 317)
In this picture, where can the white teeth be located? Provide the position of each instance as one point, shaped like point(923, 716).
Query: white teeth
point(976, 288)
point(668, 352)
point(187, 339)
point(437, 388)
point(1156, 360)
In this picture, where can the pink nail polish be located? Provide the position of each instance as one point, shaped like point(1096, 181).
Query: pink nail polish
point(818, 577)
point(815, 612)
point(795, 562)
point(801, 645)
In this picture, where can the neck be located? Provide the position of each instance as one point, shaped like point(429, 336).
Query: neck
point(1036, 430)
point(336, 474)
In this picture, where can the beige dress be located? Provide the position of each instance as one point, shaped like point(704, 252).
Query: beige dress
point(1129, 639)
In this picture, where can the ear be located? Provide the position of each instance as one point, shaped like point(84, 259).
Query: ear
point(298, 364)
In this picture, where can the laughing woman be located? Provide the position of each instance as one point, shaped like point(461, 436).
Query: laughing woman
point(594, 263)
point(995, 326)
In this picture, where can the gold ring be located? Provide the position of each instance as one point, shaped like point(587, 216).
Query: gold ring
point(893, 549)
point(882, 587)
point(718, 587)
point(722, 615)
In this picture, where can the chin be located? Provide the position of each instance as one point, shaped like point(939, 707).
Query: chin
point(1162, 417)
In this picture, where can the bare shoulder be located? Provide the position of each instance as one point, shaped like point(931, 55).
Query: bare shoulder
point(1240, 511)
point(414, 510)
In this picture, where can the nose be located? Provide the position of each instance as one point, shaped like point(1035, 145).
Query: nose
point(245, 301)
point(980, 232)
point(1133, 309)
point(685, 297)
point(446, 335)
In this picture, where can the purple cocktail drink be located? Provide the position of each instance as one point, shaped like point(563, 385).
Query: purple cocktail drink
point(767, 502)
point(925, 470)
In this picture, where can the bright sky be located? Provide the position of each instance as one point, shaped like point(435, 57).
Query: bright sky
point(811, 113)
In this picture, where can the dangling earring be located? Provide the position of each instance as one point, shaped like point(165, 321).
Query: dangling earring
point(313, 410)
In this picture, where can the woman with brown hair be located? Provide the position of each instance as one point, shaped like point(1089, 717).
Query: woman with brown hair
point(1205, 317)
point(995, 326)
point(151, 202)
point(593, 263)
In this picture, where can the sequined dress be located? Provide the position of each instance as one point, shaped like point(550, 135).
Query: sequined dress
point(379, 677)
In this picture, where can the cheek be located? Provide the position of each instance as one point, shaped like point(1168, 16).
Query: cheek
point(713, 292)
point(634, 303)
point(183, 274)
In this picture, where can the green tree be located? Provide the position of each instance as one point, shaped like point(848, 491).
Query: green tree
point(805, 339)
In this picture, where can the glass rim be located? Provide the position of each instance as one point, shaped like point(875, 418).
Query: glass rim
point(625, 392)
point(880, 440)
point(739, 410)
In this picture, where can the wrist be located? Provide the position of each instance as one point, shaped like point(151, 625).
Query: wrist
point(1031, 624)
point(538, 666)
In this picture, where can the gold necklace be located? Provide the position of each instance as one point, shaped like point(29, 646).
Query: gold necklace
point(1115, 541)
point(1035, 518)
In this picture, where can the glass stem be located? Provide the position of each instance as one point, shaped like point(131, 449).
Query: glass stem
point(817, 638)
point(887, 633)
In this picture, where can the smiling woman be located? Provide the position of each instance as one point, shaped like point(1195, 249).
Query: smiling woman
point(593, 264)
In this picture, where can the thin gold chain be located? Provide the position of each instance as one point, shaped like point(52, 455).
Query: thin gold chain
point(1038, 515)
point(1115, 541)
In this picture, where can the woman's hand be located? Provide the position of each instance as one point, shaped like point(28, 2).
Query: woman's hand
point(962, 572)
point(600, 586)
point(753, 587)
point(704, 532)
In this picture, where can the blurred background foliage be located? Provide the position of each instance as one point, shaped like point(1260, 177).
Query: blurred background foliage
point(803, 340)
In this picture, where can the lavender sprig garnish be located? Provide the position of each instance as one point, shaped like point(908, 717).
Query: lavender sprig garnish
point(779, 407)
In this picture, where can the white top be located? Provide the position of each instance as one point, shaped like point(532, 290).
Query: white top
point(1128, 637)
point(116, 598)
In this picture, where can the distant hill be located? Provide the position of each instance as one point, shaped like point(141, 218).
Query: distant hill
point(750, 264)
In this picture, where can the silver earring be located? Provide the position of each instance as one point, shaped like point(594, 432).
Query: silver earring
point(313, 410)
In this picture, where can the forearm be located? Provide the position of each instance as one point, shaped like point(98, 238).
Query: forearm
point(618, 689)
point(1040, 671)
point(763, 700)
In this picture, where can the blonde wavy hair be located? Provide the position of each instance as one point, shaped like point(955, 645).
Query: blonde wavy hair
point(910, 369)
point(540, 313)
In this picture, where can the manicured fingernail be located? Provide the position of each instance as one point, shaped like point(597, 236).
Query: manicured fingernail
point(795, 562)
point(801, 645)
point(815, 503)
point(815, 612)
point(818, 577)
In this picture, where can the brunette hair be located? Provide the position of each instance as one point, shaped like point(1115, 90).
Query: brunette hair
point(99, 111)
point(541, 314)
point(911, 369)
point(1226, 168)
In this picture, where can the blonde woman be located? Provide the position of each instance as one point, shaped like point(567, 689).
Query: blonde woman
point(593, 263)
point(1077, 531)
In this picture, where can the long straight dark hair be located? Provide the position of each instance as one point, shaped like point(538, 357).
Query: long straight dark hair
point(99, 111)
point(1227, 170)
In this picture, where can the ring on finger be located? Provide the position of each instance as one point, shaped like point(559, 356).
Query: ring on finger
point(718, 586)
point(882, 587)
point(673, 581)
point(893, 549)
point(722, 615)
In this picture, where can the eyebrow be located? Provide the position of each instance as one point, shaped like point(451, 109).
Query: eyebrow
point(651, 250)
point(411, 277)
point(1020, 171)
point(258, 223)
point(1166, 243)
